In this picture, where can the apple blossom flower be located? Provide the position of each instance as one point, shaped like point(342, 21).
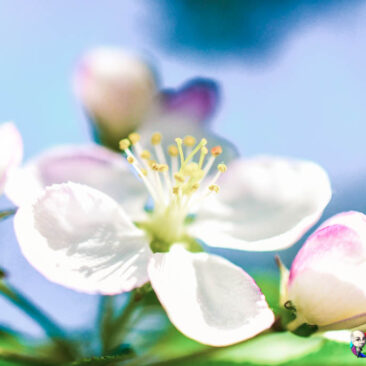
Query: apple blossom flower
point(326, 284)
point(11, 151)
point(96, 236)
point(119, 93)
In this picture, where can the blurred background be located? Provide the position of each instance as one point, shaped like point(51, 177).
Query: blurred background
point(292, 77)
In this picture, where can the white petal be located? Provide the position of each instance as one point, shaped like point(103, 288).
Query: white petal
point(208, 298)
point(265, 203)
point(92, 165)
point(11, 151)
point(80, 238)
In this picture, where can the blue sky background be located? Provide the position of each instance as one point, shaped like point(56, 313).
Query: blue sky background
point(303, 97)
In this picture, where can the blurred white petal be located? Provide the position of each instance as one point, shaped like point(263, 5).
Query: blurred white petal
point(92, 165)
point(11, 151)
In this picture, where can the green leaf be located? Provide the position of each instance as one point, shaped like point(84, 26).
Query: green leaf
point(269, 283)
point(270, 349)
point(175, 344)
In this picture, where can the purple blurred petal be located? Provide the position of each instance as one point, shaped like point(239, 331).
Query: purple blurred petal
point(197, 99)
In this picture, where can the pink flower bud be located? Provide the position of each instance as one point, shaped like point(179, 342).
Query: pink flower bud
point(116, 89)
point(327, 282)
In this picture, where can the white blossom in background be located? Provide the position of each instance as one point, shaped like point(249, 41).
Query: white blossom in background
point(92, 234)
point(11, 151)
point(119, 93)
point(327, 284)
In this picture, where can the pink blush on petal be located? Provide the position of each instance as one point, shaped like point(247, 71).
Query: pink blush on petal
point(332, 243)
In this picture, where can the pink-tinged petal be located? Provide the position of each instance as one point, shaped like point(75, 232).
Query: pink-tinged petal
point(265, 203)
point(325, 283)
point(91, 165)
point(208, 298)
point(352, 219)
point(80, 238)
point(11, 151)
point(197, 99)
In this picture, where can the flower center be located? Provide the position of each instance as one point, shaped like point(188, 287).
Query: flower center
point(177, 180)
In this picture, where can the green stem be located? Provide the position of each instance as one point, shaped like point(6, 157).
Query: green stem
point(51, 329)
point(106, 312)
point(24, 360)
point(115, 330)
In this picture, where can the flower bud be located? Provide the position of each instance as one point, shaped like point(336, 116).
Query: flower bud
point(327, 281)
point(116, 90)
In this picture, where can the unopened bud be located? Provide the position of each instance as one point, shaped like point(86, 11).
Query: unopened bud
point(117, 90)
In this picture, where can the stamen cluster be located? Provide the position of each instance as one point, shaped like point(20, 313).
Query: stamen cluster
point(177, 181)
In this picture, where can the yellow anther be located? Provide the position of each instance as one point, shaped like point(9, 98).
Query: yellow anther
point(216, 151)
point(189, 141)
point(179, 177)
point(156, 138)
point(163, 168)
point(134, 137)
point(145, 154)
point(151, 163)
point(130, 159)
point(204, 150)
point(214, 188)
point(176, 189)
point(124, 144)
point(173, 150)
point(144, 172)
point(195, 186)
point(222, 168)
point(155, 167)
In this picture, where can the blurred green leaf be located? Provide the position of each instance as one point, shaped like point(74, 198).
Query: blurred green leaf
point(271, 349)
point(11, 341)
point(175, 344)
